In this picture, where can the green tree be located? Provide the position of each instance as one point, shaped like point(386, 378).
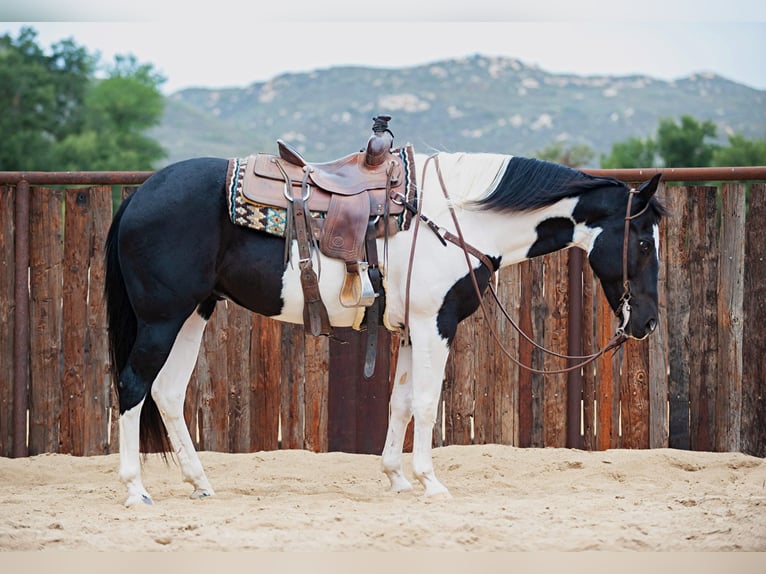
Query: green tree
point(685, 145)
point(741, 151)
point(631, 153)
point(118, 110)
point(41, 98)
point(577, 155)
point(56, 115)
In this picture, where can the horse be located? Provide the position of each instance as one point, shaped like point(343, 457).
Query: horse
point(172, 252)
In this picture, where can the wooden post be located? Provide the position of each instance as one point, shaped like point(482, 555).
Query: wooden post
point(266, 373)
point(45, 285)
point(8, 311)
point(75, 296)
point(678, 300)
point(754, 335)
point(658, 359)
point(21, 321)
point(730, 286)
point(703, 307)
point(555, 339)
point(459, 384)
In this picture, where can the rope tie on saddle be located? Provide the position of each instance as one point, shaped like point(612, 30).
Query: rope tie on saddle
point(444, 235)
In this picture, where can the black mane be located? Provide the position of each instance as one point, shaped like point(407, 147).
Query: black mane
point(529, 184)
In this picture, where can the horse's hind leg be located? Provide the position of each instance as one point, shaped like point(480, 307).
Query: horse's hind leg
point(169, 391)
point(162, 358)
point(399, 418)
point(148, 354)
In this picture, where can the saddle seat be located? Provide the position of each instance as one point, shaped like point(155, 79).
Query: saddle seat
point(354, 196)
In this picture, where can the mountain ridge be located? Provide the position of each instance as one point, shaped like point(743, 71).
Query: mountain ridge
point(472, 104)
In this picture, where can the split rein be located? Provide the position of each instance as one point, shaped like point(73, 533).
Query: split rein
point(444, 235)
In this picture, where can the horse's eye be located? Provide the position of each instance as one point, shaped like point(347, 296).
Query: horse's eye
point(645, 246)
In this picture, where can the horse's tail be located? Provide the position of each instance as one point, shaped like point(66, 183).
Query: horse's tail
point(122, 326)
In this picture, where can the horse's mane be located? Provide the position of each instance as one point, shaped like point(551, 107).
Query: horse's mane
point(529, 184)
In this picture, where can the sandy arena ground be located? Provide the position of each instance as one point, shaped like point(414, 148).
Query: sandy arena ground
point(504, 498)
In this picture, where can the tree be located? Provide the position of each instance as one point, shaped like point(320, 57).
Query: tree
point(41, 98)
point(684, 145)
point(741, 151)
point(55, 115)
point(577, 155)
point(118, 110)
point(633, 152)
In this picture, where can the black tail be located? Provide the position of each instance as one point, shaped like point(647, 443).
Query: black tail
point(122, 326)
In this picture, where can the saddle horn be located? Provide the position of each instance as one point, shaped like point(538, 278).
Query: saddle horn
point(380, 142)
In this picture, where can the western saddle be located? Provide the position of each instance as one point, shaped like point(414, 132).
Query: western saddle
point(339, 207)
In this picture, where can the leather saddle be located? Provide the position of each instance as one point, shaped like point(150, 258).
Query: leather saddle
point(340, 206)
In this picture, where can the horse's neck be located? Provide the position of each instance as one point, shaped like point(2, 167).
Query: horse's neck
point(509, 235)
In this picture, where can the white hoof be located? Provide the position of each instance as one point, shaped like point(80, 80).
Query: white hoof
point(139, 498)
point(201, 493)
point(398, 482)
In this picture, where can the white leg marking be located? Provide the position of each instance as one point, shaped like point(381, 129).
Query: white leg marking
point(399, 417)
point(169, 391)
point(130, 465)
point(429, 357)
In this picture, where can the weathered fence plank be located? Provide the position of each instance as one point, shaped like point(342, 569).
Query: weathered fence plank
point(729, 320)
point(458, 390)
point(97, 377)
point(703, 307)
point(658, 360)
point(46, 254)
point(238, 377)
point(75, 297)
point(211, 376)
point(607, 383)
point(507, 373)
point(634, 395)
point(525, 355)
point(317, 389)
point(678, 313)
point(589, 346)
point(754, 334)
point(556, 315)
point(7, 306)
point(266, 373)
point(293, 406)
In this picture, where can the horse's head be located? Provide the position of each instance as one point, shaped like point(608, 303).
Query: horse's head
point(629, 276)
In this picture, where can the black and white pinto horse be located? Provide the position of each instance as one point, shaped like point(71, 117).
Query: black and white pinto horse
point(173, 252)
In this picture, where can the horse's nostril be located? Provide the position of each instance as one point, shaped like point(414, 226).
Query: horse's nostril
point(651, 325)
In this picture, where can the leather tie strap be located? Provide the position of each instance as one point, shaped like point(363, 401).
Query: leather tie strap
point(315, 318)
point(373, 311)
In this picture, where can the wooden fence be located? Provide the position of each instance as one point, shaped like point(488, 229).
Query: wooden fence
point(699, 382)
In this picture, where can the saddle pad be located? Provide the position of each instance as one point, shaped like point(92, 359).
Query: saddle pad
point(272, 219)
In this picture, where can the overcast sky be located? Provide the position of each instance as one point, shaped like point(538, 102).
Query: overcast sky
point(237, 45)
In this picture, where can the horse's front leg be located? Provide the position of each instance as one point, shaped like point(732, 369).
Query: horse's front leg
point(429, 358)
point(399, 417)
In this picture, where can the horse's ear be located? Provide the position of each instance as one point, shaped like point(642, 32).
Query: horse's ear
point(649, 187)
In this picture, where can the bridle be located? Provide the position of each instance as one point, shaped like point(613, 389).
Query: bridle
point(445, 236)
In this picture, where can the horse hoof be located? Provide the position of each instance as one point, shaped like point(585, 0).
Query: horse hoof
point(399, 484)
point(135, 499)
point(199, 494)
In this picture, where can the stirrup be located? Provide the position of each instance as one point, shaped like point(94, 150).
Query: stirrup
point(357, 288)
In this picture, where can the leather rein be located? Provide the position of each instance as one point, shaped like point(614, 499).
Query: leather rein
point(445, 236)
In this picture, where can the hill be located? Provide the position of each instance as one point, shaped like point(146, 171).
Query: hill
point(472, 104)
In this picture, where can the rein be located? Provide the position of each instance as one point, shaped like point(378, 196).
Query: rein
point(444, 235)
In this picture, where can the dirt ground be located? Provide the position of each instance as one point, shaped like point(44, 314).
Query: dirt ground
point(504, 498)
